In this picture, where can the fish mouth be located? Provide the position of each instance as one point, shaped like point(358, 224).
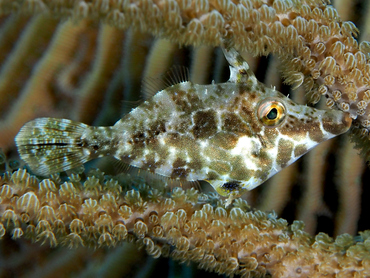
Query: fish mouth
point(347, 120)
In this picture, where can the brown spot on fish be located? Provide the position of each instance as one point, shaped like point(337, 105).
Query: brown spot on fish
point(235, 103)
point(220, 167)
point(138, 139)
point(315, 132)
point(155, 129)
point(294, 127)
point(249, 115)
point(285, 149)
point(300, 150)
point(178, 163)
point(242, 173)
point(247, 92)
point(195, 164)
point(232, 123)
point(149, 164)
point(179, 173)
point(204, 124)
point(336, 127)
point(149, 136)
point(224, 140)
point(196, 103)
point(212, 175)
point(180, 99)
point(186, 101)
point(271, 133)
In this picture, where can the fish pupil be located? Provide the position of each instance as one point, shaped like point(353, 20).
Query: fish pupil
point(272, 115)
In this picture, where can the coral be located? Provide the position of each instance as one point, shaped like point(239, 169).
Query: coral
point(186, 225)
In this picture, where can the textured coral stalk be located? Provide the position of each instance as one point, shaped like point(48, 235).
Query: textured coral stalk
point(318, 49)
point(185, 225)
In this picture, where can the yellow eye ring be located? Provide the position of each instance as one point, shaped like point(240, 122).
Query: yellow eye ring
point(271, 112)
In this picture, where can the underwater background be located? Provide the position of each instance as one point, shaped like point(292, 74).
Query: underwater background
point(95, 73)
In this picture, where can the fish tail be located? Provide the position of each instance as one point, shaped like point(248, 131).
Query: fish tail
point(50, 145)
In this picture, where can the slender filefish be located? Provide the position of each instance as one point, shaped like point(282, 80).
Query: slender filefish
point(234, 135)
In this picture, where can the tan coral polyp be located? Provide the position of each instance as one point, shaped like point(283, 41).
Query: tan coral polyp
point(236, 240)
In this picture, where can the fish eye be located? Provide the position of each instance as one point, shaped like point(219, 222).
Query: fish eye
point(271, 112)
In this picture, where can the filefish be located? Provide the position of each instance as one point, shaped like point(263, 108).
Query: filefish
point(234, 135)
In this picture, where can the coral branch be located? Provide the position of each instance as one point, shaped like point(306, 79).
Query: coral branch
point(318, 49)
point(185, 225)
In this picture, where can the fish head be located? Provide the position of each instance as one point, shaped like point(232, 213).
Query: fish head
point(280, 131)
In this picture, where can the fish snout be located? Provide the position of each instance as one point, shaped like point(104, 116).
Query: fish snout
point(336, 122)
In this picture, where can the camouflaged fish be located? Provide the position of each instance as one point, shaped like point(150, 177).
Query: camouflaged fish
point(234, 135)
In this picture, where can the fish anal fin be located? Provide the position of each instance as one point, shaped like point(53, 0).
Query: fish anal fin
point(153, 178)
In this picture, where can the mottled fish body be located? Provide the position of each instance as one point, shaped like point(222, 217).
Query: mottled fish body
point(235, 135)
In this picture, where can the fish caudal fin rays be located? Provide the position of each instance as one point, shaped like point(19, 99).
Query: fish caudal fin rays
point(239, 68)
point(50, 145)
point(152, 85)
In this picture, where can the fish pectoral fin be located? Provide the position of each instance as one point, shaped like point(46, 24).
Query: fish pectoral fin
point(225, 188)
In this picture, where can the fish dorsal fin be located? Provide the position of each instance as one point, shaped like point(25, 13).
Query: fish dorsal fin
point(175, 75)
point(239, 68)
point(152, 85)
point(129, 105)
